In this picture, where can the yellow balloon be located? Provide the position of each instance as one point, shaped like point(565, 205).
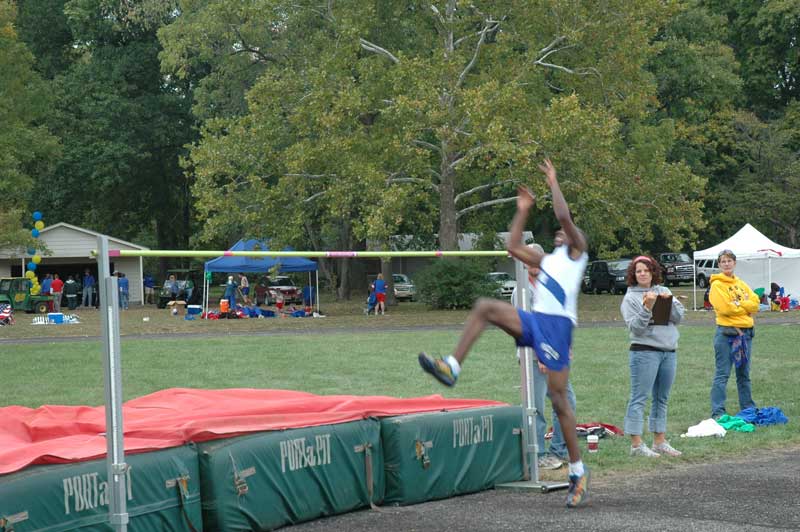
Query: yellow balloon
point(29, 274)
point(35, 290)
point(36, 259)
point(39, 225)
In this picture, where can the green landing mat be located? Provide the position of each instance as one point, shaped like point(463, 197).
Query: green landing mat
point(271, 479)
point(163, 494)
point(439, 455)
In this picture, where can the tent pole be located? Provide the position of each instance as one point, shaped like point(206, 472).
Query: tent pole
point(141, 278)
point(694, 283)
point(769, 272)
point(205, 294)
point(316, 294)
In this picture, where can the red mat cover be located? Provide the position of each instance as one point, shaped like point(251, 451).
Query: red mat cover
point(169, 418)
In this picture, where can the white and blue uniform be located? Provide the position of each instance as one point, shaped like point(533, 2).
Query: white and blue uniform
point(548, 329)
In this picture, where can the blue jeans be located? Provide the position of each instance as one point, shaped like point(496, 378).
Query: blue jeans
point(123, 300)
point(722, 354)
point(652, 372)
point(558, 446)
point(86, 300)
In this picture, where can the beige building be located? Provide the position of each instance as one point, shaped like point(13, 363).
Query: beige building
point(70, 250)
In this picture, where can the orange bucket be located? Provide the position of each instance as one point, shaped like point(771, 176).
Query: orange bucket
point(224, 305)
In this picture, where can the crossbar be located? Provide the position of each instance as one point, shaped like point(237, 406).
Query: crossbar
point(310, 254)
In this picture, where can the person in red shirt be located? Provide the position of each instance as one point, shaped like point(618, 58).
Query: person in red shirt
point(56, 287)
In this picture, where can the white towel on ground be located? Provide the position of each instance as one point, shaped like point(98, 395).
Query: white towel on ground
point(707, 427)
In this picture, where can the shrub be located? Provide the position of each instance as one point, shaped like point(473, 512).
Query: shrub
point(448, 284)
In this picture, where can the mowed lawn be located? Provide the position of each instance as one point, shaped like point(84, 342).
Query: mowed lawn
point(379, 362)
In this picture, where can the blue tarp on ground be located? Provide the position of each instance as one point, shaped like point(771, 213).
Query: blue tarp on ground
point(258, 264)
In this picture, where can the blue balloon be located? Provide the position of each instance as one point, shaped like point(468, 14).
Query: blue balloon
point(32, 266)
point(31, 252)
point(35, 233)
point(37, 216)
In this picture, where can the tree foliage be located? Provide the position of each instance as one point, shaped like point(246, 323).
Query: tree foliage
point(123, 125)
point(27, 149)
point(727, 77)
point(342, 124)
point(369, 118)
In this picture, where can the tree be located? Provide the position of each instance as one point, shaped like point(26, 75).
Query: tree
point(124, 126)
point(725, 76)
point(447, 102)
point(27, 149)
point(44, 28)
point(764, 36)
point(764, 190)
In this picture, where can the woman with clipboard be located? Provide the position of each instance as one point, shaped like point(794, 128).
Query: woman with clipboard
point(651, 315)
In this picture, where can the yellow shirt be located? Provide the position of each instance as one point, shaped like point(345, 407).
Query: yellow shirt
point(733, 301)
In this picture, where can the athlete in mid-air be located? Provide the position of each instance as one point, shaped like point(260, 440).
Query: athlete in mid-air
point(547, 329)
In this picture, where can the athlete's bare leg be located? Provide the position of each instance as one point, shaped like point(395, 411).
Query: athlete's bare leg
point(487, 310)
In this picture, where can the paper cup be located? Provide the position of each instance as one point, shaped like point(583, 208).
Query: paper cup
point(593, 443)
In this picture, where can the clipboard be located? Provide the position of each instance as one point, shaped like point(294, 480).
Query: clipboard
point(661, 310)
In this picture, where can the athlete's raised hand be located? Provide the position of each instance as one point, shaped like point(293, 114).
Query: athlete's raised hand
point(525, 198)
point(549, 171)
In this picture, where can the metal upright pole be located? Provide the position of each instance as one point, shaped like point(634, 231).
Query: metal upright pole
point(527, 388)
point(115, 454)
point(526, 374)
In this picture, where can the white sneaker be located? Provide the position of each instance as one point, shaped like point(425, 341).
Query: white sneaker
point(643, 450)
point(549, 462)
point(666, 448)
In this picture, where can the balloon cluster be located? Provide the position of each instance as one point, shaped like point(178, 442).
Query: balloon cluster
point(38, 225)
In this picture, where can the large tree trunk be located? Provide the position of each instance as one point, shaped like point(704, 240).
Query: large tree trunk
point(448, 227)
point(386, 271)
point(346, 239)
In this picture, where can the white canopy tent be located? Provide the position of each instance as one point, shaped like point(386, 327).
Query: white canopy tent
point(759, 261)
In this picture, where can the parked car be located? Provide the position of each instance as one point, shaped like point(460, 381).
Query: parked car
point(705, 269)
point(676, 268)
point(606, 275)
point(404, 289)
point(190, 287)
point(505, 283)
point(284, 286)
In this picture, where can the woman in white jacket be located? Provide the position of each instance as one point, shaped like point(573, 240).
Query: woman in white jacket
point(653, 358)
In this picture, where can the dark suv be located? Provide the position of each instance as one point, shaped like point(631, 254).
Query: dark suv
point(676, 268)
point(608, 275)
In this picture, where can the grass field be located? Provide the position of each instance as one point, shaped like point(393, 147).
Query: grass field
point(339, 315)
point(348, 353)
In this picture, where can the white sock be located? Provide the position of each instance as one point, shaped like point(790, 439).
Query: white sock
point(576, 468)
point(453, 363)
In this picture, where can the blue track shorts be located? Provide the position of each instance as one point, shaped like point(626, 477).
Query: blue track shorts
point(549, 336)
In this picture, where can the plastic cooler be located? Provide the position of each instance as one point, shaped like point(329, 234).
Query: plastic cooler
point(55, 317)
point(194, 309)
point(224, 305)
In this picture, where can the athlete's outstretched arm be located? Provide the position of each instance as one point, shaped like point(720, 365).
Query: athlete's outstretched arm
point(515, 246)
point(576, 238)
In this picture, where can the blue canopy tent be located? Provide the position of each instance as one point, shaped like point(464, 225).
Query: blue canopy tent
point(262, 264)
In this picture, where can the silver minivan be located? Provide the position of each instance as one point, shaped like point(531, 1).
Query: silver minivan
point(705, 269)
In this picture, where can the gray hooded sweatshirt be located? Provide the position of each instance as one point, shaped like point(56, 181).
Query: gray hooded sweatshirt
point(638, 319)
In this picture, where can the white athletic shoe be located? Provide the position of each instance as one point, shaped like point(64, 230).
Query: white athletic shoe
point(644, 450)
point(666, 448)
